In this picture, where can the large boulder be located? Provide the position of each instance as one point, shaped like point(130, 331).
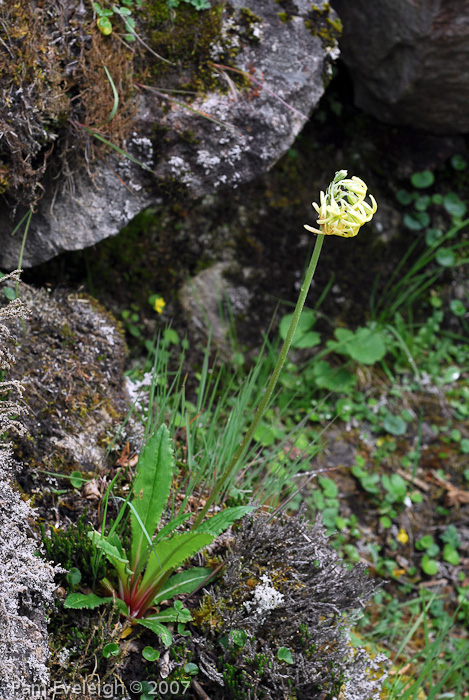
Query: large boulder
point(409, 61)
point(226, 135)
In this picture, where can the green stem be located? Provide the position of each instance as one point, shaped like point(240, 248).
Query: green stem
point(27, 218)
point(272, 382)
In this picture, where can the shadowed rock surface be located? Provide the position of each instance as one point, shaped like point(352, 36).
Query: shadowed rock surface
point(409, 60)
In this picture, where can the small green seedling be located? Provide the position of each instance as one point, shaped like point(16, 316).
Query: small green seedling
point(73, 577)
point(191, 669)
point(150, 654)
point(77, 480)
point(284, 654)
point(238, 638)
point(110, 650)
point(122, 10)
point(428, 545)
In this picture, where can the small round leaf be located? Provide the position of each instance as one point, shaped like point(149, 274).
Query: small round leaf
point(191, 669)
point(111, 649)
point(404, 197)
point(395, 425)
point(104, 26)
point(453, 205)
point(150, 654)
point(457, 307)
point(423, 179)
point(458, 162)
point(445, 257)
point(450, 555)
point(423, 202)
point(433, 235)
point(429, 565)
point(73, 576)
point(76, 479)
point(416, 220)
point(9, 293)
point(284, 654)
point(451, 374)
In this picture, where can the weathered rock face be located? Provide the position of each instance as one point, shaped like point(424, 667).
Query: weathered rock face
point(26, 581)
point(288, 62)
point(409, 60)
point(70, 363)
point(219, 140)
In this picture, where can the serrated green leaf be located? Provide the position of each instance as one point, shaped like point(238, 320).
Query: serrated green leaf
point(163, 632)
point(77, 601)
point(151, 490)
point(171, 553)
point(185, 582)
point(172, 615)
point(221, 521)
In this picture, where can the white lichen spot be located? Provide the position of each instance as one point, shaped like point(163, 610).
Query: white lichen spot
point(62, 656)
point(207, 161)
point(265, 598)
point(142, 148)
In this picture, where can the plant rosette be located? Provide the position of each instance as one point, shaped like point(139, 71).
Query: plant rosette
point(145, 575)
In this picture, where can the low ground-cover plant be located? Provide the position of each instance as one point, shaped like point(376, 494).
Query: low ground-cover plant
point(144, 573)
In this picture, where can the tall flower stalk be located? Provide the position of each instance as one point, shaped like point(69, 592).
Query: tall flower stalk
point(341, 212)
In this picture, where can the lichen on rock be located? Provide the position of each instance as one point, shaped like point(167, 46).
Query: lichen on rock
point(71, 366)
point(26, 581)
point(239, 87)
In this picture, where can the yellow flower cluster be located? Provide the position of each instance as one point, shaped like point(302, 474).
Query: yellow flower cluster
point(342, 209)
point(159, 304)
point(402, 536)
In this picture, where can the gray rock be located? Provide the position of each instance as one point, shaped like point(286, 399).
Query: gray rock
point(289, 60)
point(288, 66)
point(203, 296)
point(71, 358)
point(26, 581)
point(409, 60)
